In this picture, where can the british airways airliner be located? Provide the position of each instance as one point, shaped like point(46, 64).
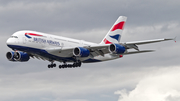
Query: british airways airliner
point(71, 52)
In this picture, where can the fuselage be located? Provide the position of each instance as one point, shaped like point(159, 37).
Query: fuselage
point(43, 45)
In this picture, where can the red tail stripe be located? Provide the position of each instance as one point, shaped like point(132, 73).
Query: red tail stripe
point(106, 41)
point(118, 26)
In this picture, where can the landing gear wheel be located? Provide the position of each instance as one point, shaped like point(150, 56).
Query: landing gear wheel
point(51, 65)
point(60, 66)
point(75, 64)
point(80, 64)
point(54, 65)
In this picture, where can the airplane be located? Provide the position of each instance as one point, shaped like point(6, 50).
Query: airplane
point(31, 44)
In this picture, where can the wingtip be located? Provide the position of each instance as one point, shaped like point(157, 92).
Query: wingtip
point(171, 39)
point(175, 39)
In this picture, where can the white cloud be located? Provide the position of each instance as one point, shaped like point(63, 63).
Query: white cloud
point(161, 85)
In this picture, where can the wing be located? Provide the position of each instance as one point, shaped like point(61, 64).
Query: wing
point(102, 49)
point(95, 50)
point(148, 41)
point(134, 44)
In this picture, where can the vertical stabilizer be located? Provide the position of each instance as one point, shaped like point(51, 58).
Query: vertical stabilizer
point(114, 34)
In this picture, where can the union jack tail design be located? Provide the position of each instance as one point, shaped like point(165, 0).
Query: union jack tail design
point(114, 34)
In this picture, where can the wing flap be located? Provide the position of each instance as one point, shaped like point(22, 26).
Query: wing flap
point(135, 52)
point(99, 49)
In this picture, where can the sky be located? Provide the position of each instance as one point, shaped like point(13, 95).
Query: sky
point(141, 77)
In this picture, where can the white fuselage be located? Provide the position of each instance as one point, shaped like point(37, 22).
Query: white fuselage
point(29, 41)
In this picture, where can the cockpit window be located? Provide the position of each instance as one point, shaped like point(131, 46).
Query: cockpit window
point(14, 37)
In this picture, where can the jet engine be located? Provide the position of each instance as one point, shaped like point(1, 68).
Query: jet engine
point(117, 49)
point(17, 56)
point(81, 52)
point(10, 56)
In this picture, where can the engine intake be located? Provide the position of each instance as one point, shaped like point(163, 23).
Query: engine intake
point(81, 52)
point(10, 56)
point(117, 49)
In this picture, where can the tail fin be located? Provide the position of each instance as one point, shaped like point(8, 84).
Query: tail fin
point(114, 34)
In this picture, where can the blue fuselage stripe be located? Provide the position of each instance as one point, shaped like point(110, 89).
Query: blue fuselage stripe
point(41, 52)
point(44, 53)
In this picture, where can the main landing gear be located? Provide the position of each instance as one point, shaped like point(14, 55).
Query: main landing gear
point(76, 64)
point(51, 65)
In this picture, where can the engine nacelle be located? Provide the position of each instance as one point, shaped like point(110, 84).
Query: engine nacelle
point(81, 52)
point(17, 56)
point(117, 49)
point(20, 56)
point(10, 56)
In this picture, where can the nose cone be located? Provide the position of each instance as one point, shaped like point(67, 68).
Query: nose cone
point(9, 41)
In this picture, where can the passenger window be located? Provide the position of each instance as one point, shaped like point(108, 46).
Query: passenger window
point(14, 37)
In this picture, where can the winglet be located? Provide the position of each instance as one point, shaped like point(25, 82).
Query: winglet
point(171, 39)
point(174, 39)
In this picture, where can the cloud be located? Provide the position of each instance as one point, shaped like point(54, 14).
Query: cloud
point(80, 15)
point(90, 21)
point(161, 85)
point(36, 81)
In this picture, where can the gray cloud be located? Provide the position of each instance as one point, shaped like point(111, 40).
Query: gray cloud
point(87, 20)
point(75, 16)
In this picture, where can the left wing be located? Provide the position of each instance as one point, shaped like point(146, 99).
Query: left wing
point(134, 44)
point(104, 49)
point(148, 41)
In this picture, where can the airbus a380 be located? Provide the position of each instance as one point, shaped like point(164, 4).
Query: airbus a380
point(26, 44)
